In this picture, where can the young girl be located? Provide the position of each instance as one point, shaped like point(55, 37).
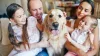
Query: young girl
point(18, 32)
point(82, 37)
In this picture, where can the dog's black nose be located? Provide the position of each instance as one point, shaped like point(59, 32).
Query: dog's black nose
point(55, 25)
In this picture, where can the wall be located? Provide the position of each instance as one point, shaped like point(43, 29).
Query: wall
point(23, 3)
point(47, 5)
point(5, 3)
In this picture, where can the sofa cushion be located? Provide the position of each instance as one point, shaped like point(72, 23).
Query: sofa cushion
point(4, 32)
point(0, 30)
point(99, 27)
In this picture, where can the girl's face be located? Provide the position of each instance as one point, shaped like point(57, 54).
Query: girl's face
point(19, 17)
point(85, 24)
point(83, 10)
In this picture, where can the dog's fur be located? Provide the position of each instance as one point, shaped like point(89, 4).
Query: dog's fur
point(54, 31)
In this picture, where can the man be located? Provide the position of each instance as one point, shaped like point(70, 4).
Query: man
point(35, 26)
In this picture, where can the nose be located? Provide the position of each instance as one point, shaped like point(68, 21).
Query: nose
point(82, 11)
point(38, 11)
point(55, 25)
point(81, 23)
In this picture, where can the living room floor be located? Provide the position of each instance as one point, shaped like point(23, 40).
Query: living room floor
point(5, 49)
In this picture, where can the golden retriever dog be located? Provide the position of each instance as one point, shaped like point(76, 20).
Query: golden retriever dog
point(54, 31)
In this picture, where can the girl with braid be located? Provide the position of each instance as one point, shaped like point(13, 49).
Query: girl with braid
point(18, 33)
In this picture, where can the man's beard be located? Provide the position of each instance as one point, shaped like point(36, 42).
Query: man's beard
point(39, 18)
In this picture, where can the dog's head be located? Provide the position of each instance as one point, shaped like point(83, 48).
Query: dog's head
point(54, 21)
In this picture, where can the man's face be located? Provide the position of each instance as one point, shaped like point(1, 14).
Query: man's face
point(36, 9)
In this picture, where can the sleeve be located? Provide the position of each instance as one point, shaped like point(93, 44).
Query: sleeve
point(32, 29)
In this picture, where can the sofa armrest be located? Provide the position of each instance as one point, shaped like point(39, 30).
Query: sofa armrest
point(4, 31)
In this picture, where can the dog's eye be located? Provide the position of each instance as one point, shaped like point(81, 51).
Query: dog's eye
point(59, 16)
point(51, 16)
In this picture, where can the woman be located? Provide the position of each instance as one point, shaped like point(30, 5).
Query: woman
point(86, 7)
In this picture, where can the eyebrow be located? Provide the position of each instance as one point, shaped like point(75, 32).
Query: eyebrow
point(86, 9)
point(82, 7)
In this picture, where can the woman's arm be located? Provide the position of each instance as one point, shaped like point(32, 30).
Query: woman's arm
point(72, 48)
point(95, 43)
point(70, 30)
point(85, 47)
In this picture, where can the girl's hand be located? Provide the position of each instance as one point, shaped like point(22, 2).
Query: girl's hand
point(67, 36)
point(22, 48)
point(65, 14)
point(91, 36)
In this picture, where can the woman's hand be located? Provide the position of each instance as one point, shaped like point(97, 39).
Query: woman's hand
point(81, 53)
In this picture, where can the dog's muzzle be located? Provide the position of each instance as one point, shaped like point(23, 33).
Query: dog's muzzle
point(55, 25)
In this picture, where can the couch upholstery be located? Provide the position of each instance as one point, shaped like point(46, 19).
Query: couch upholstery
point(4, 31)
point(99, 37)
point(5, 46)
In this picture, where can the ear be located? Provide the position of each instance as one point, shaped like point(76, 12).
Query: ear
point(90, 13)
point(12, 21)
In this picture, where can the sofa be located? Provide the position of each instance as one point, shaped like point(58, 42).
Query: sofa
point(5, 45)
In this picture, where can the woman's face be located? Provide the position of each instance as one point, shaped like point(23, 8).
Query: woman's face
point(83, 9)
point(19, 17)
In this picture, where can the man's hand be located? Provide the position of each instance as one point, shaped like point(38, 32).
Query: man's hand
point(44, 43)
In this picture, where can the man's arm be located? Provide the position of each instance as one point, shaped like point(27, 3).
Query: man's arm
point(39, 44)
point(43, 43)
